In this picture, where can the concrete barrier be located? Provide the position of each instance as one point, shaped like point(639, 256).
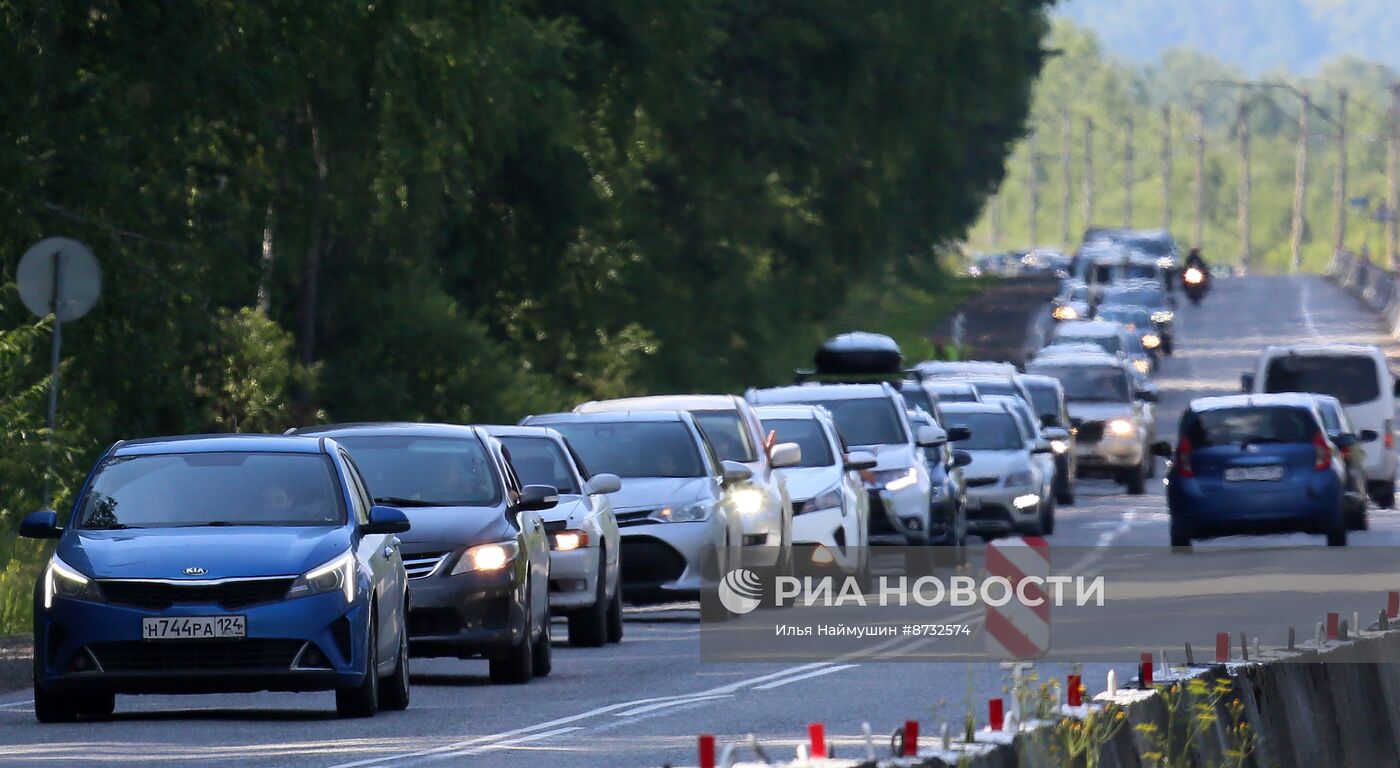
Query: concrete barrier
point(1379, 288)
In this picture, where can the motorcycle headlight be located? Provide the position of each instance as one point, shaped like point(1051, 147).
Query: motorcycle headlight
point(1121, 428)
point(486, 557)
point(1151, 340)
point(1023, 477)
point(1163, 316)
point(62, 580)
point(1194, 275)
point(748, 501)
point(899, 479)
point(684, 513)
point(337, 574)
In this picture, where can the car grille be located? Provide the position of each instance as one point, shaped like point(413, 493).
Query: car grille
point(422, 564)
point(980, 482)
point(552, 527)
point(1089, 432)
point(158, 595)
point(426, 622)
point(634, 517)
point(648, 561)
point(242, 655)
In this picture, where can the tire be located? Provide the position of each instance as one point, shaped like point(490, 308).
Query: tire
point(518, 665)
point(394, 689)
point(1047, 521)
point(363, 699)
point(1382, 494)
point(1180, 540)
point(1337, 538)
point(50, 707)
point(542, 653)
point(1356, 517)
point(1065, 494)
point(588, 627)
point(615, 626)
point(1136, 481)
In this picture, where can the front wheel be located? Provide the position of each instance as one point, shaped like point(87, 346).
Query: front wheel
point(363, 699)
point(1136, 481)
point(394, 691)
point(517, 666)
point(542, 659)
point(1337, 538)
point(588, 627)
point(1383, 494)
point(615, 626)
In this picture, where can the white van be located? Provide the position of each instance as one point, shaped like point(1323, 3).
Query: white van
point(1359, 377)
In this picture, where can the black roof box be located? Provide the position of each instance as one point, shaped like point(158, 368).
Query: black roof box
point(859, 352)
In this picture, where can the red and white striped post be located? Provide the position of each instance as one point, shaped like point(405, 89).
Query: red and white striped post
point(1334, 621)
point(816, 737)
point(911, 738)
point(1392, 605)
point(1017, 630)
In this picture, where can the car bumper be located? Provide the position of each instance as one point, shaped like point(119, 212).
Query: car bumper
point(573, 578)
point(904, 512)
point(1201, 510)
point(827, 528)
point(1109, 453)
point(1382, 467)
point(670, 561)
point(84, 645)
point(993, 509)
point(467, 615)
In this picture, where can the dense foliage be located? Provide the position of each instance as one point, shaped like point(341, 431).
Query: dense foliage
point(1085, 83)
point(436, 209)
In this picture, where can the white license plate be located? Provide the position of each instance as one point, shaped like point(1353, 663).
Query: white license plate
point(193, 627)
point(1254, 474)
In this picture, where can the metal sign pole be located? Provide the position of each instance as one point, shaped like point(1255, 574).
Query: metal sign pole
point(54, 358)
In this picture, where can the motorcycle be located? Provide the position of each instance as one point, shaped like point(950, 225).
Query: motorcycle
point(1196, 283)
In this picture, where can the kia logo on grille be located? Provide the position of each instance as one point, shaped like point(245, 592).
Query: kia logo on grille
point(194, 571)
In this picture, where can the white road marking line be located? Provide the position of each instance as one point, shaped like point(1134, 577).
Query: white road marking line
point(666, 704)
point(512, 742)
point(808, 676)
point(24, 703)
point(1303, 305)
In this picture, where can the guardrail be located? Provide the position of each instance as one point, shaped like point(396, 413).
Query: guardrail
point(1378, 287)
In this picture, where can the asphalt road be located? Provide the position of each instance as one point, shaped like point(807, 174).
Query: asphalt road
point(642, 703)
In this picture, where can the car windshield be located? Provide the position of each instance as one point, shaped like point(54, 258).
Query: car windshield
point(177, 490)
point(915, 396)
point(431, 471)
point(957, 396)
point(725, 431)
point(1046, 402)
point(1110, 344)
point(1090, 383)
point(1132, 318)
point(1352, 379)
point(1023, 418)
point(540, 461)
point(866, 420)
point(1141, 297)
point(990, 431)
point(636, 448)
point(1238, 426)
point(808, 435)
point(1003, 388)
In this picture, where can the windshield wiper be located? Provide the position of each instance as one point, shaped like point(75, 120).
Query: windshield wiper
point(112, 527)
point(396, 501)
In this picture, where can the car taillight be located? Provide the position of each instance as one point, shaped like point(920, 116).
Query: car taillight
point(1324, 452)
point(1183, 459)
point(1389, 435)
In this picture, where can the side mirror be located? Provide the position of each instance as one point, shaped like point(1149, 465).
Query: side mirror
point(785, 455)
point(1042, 446)
point(1247, 382)
point(929, 436)
point(1368, 436)
point(604, 483)
point(961, 458)
point(534, 498)
point(958, 434)
point(857, 461)
point(40, 525)
point(1162, 448)
point(386, 520)
point(734, 472)
point(1345, 440)
point(1055, 433)
point(1146, 396)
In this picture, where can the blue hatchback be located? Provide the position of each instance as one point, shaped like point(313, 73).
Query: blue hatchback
point(215, 564)
point(1255, 464)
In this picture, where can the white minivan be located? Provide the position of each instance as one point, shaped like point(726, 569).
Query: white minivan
point(1355, 374)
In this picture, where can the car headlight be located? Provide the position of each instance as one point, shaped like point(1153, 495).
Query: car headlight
point(828, 499)
point(748, 501)
point(1142, 366)
point(1121, 428)
point(683, 513)
point(1059, 446)
point(1151, 340)
point(1023, 477)
point(486, 557)
point(337, 574)
point(1065, 312)
point(1026, 501)
point(62, 580)
point(570, 539)
point(899, 479)
point(1163, 316)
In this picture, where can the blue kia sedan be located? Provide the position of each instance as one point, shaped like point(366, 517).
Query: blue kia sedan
point(212, 564)
point(1256, 464)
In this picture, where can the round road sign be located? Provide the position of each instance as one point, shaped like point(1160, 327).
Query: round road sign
point(59, 275)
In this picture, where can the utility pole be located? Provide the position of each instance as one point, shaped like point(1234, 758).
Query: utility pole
point(1339, 191)
point(1033, 187)
point(1242, 133)
point(1128, 172)
point(1300, 184)
point(1088, 172)
point(1167, 167)
point(1200, 172)
point(1067, 193)
point(1392, 171)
